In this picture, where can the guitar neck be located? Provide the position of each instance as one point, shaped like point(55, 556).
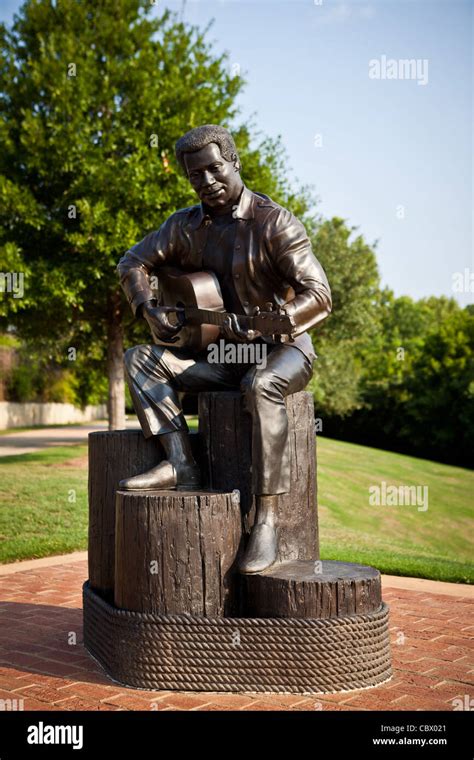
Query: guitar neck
point(194, 315)
point(265, 323)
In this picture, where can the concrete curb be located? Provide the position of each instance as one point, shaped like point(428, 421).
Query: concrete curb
point(388, 581)
point(430, 587)
point(37, 564)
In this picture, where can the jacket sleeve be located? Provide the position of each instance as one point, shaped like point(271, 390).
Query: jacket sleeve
point(290, 252)
point(134, 267)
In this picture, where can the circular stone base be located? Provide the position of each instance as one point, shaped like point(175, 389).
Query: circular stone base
point(188, 653)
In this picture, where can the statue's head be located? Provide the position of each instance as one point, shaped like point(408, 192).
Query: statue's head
point(209, 159)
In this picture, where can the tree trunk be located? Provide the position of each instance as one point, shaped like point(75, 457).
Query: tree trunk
point(116, 399)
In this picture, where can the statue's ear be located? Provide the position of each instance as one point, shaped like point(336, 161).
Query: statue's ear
point(236, 161)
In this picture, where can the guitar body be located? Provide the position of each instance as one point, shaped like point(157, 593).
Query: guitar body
point(194, 289)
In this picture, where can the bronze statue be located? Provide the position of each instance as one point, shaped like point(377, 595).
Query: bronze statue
point(261, 257)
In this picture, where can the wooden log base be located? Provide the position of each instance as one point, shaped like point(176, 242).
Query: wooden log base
point(222, 449)
point(312, 589)
point(225, 429)
point(176, 551)
point(190, 653)
point(113, 456)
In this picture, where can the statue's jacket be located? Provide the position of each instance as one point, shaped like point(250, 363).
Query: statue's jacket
point(272, 261)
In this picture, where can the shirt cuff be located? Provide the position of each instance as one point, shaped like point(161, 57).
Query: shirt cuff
point(141, 297)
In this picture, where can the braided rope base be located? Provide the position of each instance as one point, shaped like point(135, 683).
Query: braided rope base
point(186, 653)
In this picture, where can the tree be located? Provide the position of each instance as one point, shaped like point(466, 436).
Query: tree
point(417, 381)
point(341, 340)
point(438, 410)
point(92, 98)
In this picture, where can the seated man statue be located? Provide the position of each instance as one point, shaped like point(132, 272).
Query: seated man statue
point(262, 257)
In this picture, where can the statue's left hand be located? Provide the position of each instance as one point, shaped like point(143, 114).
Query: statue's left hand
point(233, 331)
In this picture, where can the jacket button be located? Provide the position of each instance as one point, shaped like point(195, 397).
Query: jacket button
point(246, 303)
point(236, 276)
point(237, 247)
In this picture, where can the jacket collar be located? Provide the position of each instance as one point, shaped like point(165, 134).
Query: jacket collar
point(243, 210)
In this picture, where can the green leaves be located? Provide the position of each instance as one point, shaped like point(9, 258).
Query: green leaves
point(84, 87)
point(341, 340)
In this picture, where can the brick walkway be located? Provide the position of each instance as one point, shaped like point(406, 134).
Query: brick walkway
point(41, 613)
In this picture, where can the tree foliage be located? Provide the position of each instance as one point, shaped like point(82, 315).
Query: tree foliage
point(93, 96)
point(352, 271)
point(417, 381)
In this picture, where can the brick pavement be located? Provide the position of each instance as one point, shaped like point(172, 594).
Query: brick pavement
point(43, 662)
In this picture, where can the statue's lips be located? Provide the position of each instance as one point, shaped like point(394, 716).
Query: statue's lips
point(214, 193)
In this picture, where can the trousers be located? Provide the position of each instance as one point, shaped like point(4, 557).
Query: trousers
point(157, 374)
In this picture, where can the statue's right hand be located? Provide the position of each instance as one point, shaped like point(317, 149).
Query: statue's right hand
point(157, 318)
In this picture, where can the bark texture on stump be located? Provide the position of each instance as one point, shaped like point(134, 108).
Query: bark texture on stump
point(322, 589)
point(222, 448)
point(176, 552)
point(113, 456)
point(225, 429)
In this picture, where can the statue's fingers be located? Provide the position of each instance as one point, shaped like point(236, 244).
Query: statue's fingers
point(227, 329)
point(236, 327)
point(252, 334)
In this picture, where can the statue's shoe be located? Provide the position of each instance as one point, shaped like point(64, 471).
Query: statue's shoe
point(261, 550)
point(165, 476)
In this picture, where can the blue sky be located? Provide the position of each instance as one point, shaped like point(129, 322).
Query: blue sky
point(391, 155)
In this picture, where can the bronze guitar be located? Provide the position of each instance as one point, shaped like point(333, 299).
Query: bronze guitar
point(197, 298)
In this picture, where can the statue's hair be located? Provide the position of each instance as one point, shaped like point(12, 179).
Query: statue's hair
point(199, 137)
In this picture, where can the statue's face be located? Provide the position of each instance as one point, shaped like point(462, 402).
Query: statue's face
point(216, 181)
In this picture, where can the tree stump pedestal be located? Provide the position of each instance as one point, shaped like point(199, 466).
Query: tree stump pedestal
point(165, 607)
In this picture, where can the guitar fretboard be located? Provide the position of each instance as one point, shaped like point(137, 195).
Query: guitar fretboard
point(265, 323)
point(203, 316)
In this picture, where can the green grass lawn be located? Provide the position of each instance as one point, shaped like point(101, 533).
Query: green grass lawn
point(38, 514)
point(39, 517)
point(399, 540)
